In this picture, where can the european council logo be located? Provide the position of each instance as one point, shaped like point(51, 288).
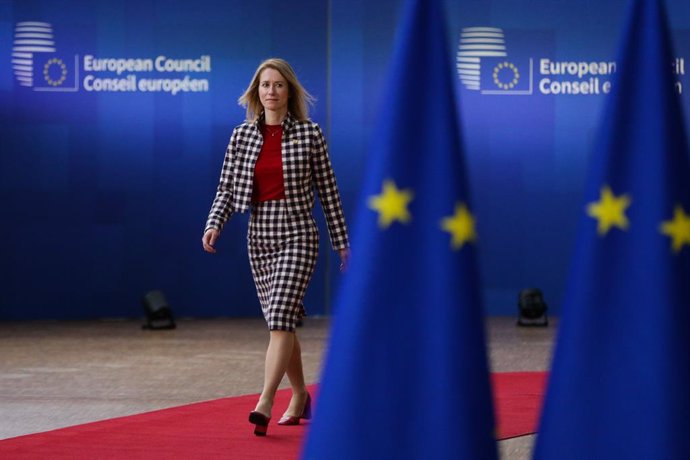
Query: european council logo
point(483, 63)
point(35, 61)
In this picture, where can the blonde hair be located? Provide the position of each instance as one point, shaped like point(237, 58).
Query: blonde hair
point(299, 98)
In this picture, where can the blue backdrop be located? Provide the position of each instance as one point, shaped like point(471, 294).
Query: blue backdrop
point(114, 116)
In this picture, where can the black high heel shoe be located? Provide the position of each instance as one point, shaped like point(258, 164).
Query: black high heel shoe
point(294, 420)
point(260, 422)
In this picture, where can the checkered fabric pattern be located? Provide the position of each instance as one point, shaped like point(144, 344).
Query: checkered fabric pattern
point(306, 165)
point(282, 253)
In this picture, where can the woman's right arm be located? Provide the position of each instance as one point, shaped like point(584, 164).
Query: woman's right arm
point(221, 209)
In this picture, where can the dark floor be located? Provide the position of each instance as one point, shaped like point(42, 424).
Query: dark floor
point(57, 374)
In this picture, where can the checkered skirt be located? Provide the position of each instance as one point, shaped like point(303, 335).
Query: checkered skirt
point(282, 254)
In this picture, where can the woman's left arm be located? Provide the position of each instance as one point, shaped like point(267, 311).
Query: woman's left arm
point(329, 196)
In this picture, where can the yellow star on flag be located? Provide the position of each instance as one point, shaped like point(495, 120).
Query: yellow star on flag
point(609, 211)
point(460, 226)
point(391, 204)
point(677, 229)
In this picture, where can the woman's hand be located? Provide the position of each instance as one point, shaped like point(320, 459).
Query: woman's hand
point(344, 259)
point(209, 240)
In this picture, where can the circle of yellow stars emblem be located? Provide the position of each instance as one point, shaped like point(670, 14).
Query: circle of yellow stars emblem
point(62, 68)
point(511, 69)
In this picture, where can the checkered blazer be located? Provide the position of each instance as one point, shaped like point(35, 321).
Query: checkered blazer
point(305, 164)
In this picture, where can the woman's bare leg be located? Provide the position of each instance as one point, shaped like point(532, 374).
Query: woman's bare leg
point(280, 350)
point(295, 374)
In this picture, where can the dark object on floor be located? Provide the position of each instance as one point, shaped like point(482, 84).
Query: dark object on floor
point(532, 308)
point(158, 312)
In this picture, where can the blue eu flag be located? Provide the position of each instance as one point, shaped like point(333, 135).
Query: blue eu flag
point(406, 372)
point(55, 72)
point(506, 75)
point(620, 381)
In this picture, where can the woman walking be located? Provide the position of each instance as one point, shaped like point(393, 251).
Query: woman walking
point(273, 163)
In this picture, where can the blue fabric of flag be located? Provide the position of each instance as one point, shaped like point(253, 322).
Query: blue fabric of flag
point(406, 370)
point(620, 380)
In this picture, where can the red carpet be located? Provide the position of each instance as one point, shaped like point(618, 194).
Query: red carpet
point(517, 399)
point(219, 429)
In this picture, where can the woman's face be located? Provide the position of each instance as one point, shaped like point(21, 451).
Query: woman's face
point(273, 90)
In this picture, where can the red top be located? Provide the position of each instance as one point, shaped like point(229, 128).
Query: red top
point(268, 172)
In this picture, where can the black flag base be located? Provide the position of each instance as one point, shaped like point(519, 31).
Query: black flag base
point(532, 308)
